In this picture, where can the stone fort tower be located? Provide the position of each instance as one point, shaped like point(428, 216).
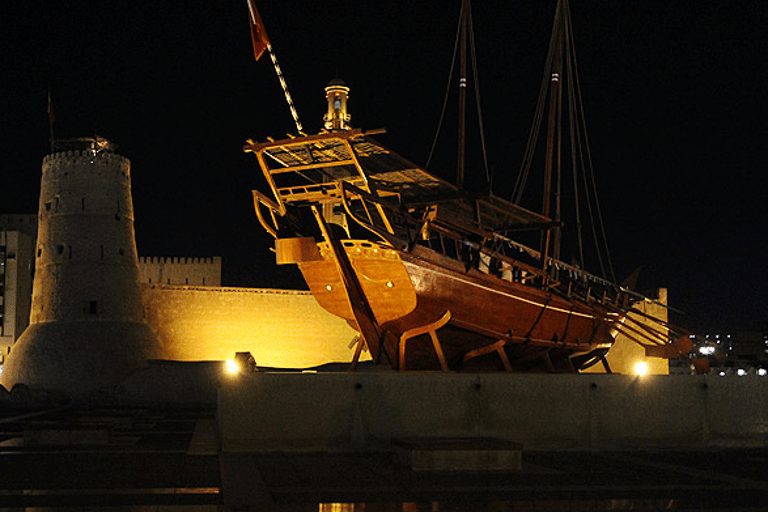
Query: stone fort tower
point(87, 326)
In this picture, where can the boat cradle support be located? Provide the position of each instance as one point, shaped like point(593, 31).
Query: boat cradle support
point(430, 329)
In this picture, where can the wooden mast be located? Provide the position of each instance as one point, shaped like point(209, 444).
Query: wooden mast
point(462, 93)
point(552, 164)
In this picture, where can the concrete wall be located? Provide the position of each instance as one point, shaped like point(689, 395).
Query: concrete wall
point(281, 328)
point(306, 412)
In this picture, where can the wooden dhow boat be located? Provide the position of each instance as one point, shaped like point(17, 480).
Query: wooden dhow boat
point(430, 275)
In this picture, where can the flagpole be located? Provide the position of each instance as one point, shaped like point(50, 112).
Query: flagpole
point(51, 119)
point(261, 42)
point(284, 85)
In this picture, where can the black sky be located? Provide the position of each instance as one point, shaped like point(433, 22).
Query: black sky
point(674, 93)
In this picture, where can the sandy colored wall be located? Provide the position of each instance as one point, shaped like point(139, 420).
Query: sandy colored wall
point(625, 352)
point(187, 271)
point(281, 328)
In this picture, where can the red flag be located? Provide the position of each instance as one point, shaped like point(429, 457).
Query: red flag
point(258, 32)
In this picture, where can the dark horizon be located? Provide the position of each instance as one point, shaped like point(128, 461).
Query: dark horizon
point(672, 92)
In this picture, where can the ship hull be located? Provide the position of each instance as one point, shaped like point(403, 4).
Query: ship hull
point(435, 314)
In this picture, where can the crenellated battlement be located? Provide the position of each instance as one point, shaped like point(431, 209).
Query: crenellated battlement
point(182, 271)
point(76, 154)
point(154, 260)
point(24, 222)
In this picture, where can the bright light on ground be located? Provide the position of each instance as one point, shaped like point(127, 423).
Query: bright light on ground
point(641, 368)
point(232, 366)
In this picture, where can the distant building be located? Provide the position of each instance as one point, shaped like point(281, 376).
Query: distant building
point(739, 353)
point(17, 251)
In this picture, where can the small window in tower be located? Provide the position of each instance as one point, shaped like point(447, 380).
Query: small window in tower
point(337, 103)
point(60, 249)
point(186, 281)
point(39, 251)
point(11, 256)
point(91, 307)
point(169, 281)
point(48, 206)
point(121, 251)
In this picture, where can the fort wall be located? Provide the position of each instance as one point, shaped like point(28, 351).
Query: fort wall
point(185, 271)
point(281, 328)
point(625, 352)
point(23, 222)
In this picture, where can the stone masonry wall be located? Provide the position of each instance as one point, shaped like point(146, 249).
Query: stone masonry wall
point(281, 328)
point(186, 271)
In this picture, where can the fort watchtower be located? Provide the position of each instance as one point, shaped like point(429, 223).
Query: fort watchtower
point(87, 326)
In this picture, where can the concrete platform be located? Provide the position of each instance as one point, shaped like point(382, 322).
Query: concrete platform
point(458, 454)
point(315, 412)
point(295, 442)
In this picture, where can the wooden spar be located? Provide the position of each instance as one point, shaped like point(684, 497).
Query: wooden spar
point(368, 327)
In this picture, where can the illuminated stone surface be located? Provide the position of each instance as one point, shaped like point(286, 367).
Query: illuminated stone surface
point(281, 328)
point(87, 326)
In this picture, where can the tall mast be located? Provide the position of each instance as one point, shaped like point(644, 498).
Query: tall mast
point(462, 93)
point(552, 164)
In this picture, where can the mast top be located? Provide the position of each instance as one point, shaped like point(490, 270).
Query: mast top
point(336, 94)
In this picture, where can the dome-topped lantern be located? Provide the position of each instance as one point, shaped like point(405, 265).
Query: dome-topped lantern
point(336, 94)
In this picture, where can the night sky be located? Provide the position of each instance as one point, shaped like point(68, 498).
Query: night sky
point(674, 93)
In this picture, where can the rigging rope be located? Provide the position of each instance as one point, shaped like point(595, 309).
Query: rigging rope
point(475, 77)
point(581, 157)
point(447, 89)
